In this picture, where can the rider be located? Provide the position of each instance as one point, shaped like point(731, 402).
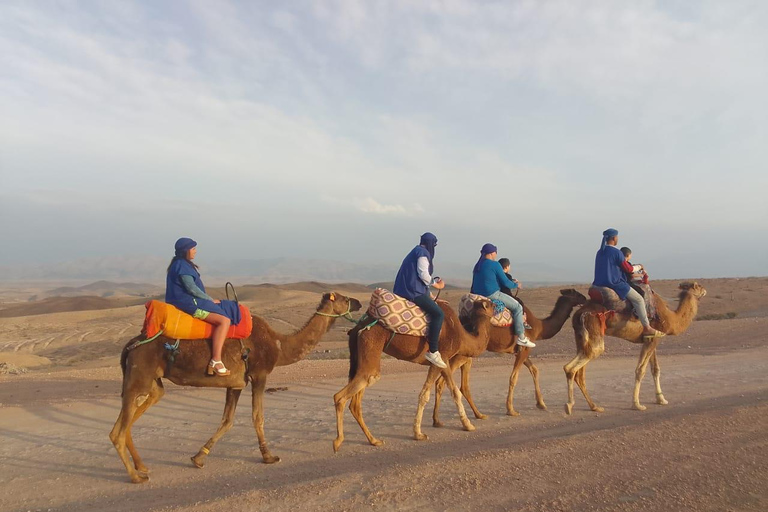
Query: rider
point(185, 290)
point(413, 281)
point(487, 280)
point(611, 270)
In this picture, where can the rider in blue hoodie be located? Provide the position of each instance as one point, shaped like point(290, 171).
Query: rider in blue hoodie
point(487, 279)
point(413, 281)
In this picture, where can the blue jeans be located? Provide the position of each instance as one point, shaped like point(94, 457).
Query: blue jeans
point(639, 304)
point(435, 316)
point(515, 308)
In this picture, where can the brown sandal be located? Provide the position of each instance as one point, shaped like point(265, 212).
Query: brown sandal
point(217, 368)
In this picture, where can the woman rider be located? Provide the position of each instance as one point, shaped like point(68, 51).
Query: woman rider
point(185, 290)
point(413, 281)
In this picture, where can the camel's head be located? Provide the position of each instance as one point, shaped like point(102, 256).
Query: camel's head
point(693, 288)
point(577, 298)
point(338, 304)
point(482, 308)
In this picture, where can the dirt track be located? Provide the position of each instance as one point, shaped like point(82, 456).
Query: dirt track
point(707, 450)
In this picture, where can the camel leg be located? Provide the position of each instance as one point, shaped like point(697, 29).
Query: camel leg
point(656, 371)
point(642, 363)
point(356, 408)
point(439, 386)
point(457, 396)
point(156, 393)
point(465, 364)
point(535, 375)
point(465, 370)
point(570, 374)
point(520, 358)
point(354, 386)
point(257, 384)
point(424, 398)
point(432, 375)
point(227, 419)
point(132, 400)
point(581, 381)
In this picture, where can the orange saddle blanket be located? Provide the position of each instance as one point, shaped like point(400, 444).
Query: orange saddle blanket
point(177, 324)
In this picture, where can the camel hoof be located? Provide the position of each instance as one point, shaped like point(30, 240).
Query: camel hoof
point(420, 437)
point(661, 400)
point(597, 408)
point(437, 424)
point(481, 416)
point(542, 406)
point(639, 407)
point(568, 409)
point(469, 427)
point(337, 445)
point(513, 413)
point(138, 478)
point(271, 459)
point(198, 462)
point(377, 442)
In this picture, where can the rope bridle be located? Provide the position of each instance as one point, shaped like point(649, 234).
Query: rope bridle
point(347, 315)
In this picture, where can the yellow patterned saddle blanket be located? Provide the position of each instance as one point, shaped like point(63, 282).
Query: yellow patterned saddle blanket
point(397, 314)
point(502, 319)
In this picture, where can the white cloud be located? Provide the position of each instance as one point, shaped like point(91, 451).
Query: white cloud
point(370, 205)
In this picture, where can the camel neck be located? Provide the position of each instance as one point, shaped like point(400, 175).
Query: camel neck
point(679, 320)
point(552, 325)
point(477, 342)
point(296, 346)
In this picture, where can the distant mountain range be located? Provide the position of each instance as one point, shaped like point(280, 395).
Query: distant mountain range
point(151, 269)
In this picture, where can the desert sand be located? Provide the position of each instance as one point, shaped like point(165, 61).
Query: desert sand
point(706, 450)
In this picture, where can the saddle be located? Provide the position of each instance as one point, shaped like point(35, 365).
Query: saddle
point(610, 299)
point(500, 319)
point(164, 318)
point(397, 314)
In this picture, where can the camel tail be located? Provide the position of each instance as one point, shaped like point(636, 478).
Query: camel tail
point(585, 327)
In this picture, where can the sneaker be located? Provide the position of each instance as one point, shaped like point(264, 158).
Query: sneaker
point(435, 359)
point(525, 342)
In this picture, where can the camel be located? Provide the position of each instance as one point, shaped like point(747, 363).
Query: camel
point(503, 341)
point(367, 344)
point(146, 365)
point(593, 322)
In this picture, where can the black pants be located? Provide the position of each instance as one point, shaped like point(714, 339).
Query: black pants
point(435, 316)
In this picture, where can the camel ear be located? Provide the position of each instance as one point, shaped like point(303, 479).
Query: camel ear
point(332, 296)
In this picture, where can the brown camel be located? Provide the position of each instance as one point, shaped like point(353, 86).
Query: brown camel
point(590, 332)
point(146, 365)
point(367, 344)
point(503, 341)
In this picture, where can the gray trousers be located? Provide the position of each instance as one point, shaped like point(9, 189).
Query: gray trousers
point(639, 304)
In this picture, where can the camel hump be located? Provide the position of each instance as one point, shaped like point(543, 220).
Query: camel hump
point(397, 314)
point(501, 318)
point(611, 301)
point(164, 318)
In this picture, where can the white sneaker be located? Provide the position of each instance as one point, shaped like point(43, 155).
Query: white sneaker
point(435, 359)
point(525, 342)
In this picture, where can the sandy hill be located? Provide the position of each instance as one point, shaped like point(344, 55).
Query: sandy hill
point(67, 304)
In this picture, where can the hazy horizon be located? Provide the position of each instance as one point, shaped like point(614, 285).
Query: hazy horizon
point(342, 130)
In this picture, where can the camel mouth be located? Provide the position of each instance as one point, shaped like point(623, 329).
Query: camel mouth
point(354, 304)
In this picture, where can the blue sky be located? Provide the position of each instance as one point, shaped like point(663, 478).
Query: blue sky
point(344, 129)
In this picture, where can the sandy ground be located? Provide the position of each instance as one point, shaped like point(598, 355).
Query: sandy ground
point(707, 450)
